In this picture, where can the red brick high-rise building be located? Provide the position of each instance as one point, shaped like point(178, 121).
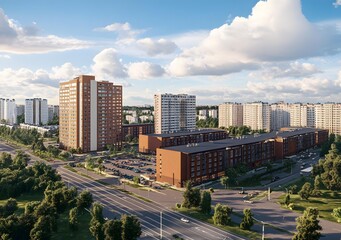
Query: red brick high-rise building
point(90, 114)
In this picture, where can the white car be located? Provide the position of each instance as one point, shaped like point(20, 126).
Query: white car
point(185, 220)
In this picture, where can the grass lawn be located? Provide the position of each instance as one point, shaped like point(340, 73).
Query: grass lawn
point(25, 198)
point(234, 227)
point(325, 204)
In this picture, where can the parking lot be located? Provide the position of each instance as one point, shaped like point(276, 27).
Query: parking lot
point(128, 168)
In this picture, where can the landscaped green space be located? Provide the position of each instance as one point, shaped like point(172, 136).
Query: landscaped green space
point(325, 204)
point(234, 227)
point(64, 231)
point(25, 198)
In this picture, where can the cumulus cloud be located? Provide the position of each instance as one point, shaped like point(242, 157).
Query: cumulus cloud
point(293, 70)
point(108, 66)
point(24, 40)
point(275, 31)
point(25, 83)
point(5, 56)
point(337, 3)
point(157, 47)
point(144, 70)
point(124, 30)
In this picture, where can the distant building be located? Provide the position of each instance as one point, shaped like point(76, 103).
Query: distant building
point(135, 130)
point(146, 117)
point(53, 111)
point(20, 110)
point(203, 112)
point(257, 115)
point(174, 113)
point(328, 116)
point(36, 111)
point(280, 116)
point(90, 114)
point(213, 113)
point(230, 114)
point(8, 111)
point(132, 119)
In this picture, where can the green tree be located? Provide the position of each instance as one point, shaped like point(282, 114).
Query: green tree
point(112, 230)
point(224, 181)
point(318, 184)
point(247, 221)
point(42, 228)
point(222, 215)
point(191, 196)
point(287, 200)
point(308, 226)
point(136, 180)
point(131, 227)
point(97, 212)
point(337, 213)
point(84, 200)
point(293, 189)
point(96, 229)
point(306, 191)
point(73, 218)
point(205, 204)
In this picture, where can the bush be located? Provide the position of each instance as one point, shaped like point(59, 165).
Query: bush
point(211, 190)
point(178, 205)
point(291, 206)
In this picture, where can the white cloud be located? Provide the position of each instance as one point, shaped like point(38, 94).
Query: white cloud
point(25, 83)
point(124, 30)
point(337, 3)
point(108, 66)
point(157, 47)
point(144, 70)
point(24, 40)
point(275, 31)
point(293, 70)
point(5, 56)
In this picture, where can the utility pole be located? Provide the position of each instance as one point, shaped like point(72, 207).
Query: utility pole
point(263, 231)
point(160, 225)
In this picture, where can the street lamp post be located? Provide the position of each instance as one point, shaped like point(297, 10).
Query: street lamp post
point(262, 230)
point(160, 225)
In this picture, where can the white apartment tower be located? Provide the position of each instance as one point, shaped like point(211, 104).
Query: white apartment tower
point(8, 111)
point(280, 116)
point(174, 113)
point(230, 114)
point(257, 115)
point(36, 111)
point(328, 116)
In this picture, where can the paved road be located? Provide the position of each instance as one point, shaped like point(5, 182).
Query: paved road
point(116, 203)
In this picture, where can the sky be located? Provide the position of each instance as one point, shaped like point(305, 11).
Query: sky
point(220, 51)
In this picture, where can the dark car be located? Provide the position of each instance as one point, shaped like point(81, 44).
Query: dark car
point(274, 179)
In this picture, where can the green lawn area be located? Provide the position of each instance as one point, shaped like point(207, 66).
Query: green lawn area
point(25, 198)
point(234, 227)
point(325, 204)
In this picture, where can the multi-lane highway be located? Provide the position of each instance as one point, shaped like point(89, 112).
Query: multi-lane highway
point(117, 202)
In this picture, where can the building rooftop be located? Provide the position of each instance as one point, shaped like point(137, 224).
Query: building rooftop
point(231, 142)
point(194, 132)
point(220, 144)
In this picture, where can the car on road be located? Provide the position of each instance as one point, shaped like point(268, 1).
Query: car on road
point(184, 220)
point(274, 179)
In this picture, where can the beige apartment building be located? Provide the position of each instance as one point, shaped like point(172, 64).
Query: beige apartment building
point(328, 116)
point(230, 114)
point(257, 115)
point(90, 114)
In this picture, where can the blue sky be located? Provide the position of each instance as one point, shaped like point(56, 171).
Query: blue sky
point(226, 50)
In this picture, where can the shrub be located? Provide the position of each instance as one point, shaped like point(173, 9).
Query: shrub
point(178, 205)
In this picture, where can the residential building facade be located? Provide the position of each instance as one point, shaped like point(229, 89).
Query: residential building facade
point(230, 114)
point(36, 111)
point(90, 114)
point(174, 113)
point(8, 111)
point(257, 115)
